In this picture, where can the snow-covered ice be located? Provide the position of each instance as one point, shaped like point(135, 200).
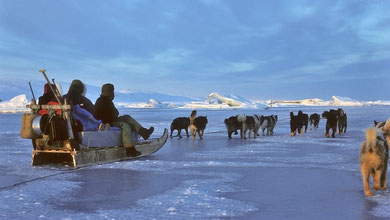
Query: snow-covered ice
point(271, 177)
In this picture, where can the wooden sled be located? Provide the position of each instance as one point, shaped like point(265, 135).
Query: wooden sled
point(87, 156)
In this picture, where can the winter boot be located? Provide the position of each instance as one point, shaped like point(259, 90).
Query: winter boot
point(145, 133)
point(132, 152)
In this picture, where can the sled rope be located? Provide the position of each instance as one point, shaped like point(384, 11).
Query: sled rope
point(36, 179)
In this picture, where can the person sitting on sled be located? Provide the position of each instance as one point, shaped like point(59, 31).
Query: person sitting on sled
point(76, 96)
point(107, 112)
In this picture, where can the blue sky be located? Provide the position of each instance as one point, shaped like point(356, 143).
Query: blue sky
point(280, 49)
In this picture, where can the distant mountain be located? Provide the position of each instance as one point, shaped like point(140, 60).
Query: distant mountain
point(137, 96)
point(13, 88)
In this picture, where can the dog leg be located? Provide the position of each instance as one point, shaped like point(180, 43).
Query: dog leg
point(383, 181)
point(187, 132)
point(179, 132)
point(333, 132)
point(200, 135)
point(377, 179)
point(327, 131)
point(193, 133)
point(254, 133)
point(365, 177)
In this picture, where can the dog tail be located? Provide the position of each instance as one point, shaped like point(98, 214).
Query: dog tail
point(370, 138)
point(241, 118)
point(192, 117)
point(291, 114)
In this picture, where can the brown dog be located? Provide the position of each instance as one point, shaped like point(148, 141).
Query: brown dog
point(374, 154)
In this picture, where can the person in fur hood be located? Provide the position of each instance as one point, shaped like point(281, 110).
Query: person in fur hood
point(76, 96)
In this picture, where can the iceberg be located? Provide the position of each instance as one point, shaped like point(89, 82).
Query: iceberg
point(345, 101)
point(217, 101)
point(16, 104)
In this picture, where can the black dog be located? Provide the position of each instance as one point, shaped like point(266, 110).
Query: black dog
point(331, 122)
point(304, 118)
point(296, 123)
point(342, 121)
point(314, 120)
point(199, 125)
point(180, 123)
point(232, 125)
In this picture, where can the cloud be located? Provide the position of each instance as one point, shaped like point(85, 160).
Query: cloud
point(160, 45)
point(237, 67)
point(331, 65)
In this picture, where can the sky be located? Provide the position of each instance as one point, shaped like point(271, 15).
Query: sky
point(259, 49)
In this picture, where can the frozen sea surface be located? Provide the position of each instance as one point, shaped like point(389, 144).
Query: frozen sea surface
point(271, 177)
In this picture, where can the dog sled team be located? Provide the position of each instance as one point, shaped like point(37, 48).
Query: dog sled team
point(253, 124)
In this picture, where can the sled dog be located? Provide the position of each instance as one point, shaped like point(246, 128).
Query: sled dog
point(197, 125)
point(314, 121)
point(374, 154)
point(331, 121)
point(179, 124)
point(248, 124)
point(296, 123)
point(232, 125)
point(268, 122)
point(342, 121)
